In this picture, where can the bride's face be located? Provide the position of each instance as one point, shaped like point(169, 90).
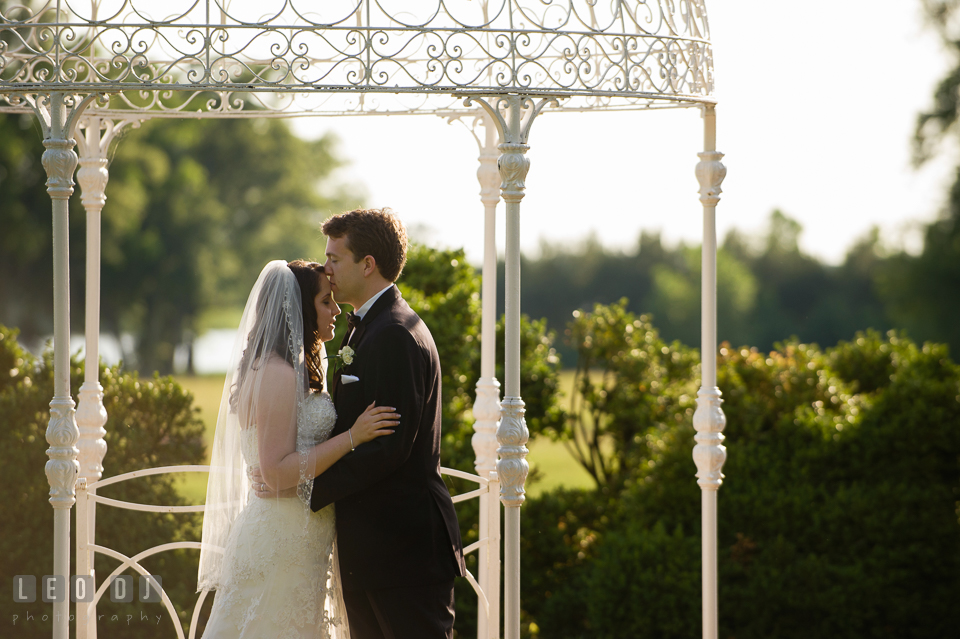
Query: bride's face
point(327, 310)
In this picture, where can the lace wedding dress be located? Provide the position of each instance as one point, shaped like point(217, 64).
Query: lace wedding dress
point(280, 572)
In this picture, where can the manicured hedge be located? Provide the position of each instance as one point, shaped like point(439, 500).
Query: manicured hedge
point(838, 516)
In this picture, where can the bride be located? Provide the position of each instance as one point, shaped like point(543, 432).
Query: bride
point(273, 562)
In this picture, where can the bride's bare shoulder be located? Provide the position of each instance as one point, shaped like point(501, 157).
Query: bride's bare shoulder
point(273, 363)
point(274, 371)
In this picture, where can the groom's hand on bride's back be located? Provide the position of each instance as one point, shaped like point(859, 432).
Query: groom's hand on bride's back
point(264, 491)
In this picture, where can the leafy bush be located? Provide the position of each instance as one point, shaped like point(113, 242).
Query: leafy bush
point(857, 535)
point(630, 386)
point(838, 515)
point(645, 577)
point(558, 539)
point(150, 423)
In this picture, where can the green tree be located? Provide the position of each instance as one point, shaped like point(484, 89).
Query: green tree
point(675, 296)
point(195, 208)
point(767, 287)
point(564, 279)
point(791, 283)
point(921, 290)
point(26, 271)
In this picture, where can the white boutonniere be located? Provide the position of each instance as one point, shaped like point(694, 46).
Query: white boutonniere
point(344, 357)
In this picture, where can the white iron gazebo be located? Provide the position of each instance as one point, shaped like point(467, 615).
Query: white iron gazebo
point(89, 68)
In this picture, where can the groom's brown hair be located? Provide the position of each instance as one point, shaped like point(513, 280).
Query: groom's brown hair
point(374, 232)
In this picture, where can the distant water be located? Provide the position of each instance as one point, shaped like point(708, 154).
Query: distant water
point(211, 351)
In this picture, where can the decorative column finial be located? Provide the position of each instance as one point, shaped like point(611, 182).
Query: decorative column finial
point(513, 165)
point(512, 466)
point(62, 467)
point(487, 173)
point(709, 454)
point(486, 413)
point(60, 162)
point(710, 173)
point(93, 177)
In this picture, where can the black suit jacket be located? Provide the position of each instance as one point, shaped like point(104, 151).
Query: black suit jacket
point(396, 524)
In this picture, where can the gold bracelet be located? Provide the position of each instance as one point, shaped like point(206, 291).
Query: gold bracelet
point(350, 432)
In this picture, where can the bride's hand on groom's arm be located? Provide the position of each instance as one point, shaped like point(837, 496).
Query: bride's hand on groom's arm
point(263, 490)
point(374, 422)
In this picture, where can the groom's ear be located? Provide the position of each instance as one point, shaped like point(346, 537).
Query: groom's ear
point(369, 265)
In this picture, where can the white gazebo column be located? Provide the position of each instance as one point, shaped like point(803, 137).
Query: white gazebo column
point(512, 434)
point(91, 415)
point(57, 113)
point(486, 408)
point(60, 161)
point(709, 454)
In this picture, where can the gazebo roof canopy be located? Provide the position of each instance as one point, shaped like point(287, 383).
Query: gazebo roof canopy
point(297, 57)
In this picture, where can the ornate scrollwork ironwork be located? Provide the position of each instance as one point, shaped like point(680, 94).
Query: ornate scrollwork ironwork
point(358, 56)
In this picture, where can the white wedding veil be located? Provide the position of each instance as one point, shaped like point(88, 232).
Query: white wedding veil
point(270, 340)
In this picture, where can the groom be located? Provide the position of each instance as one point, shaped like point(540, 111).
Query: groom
point(397, 532)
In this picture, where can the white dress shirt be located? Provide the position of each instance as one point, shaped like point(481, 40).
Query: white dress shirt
point(360, 312)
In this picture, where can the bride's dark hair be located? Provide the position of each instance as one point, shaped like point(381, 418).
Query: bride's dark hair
point(308, 276)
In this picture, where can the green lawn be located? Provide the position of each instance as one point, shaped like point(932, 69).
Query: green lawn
point(206, 391)
point(551, 460)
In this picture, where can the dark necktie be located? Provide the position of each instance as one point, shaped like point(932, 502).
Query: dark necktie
point(353, 320)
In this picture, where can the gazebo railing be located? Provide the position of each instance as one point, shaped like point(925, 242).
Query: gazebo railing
point(487, 546)
point(87, 498)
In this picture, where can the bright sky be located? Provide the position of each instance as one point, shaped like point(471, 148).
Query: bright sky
point(816, 115)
